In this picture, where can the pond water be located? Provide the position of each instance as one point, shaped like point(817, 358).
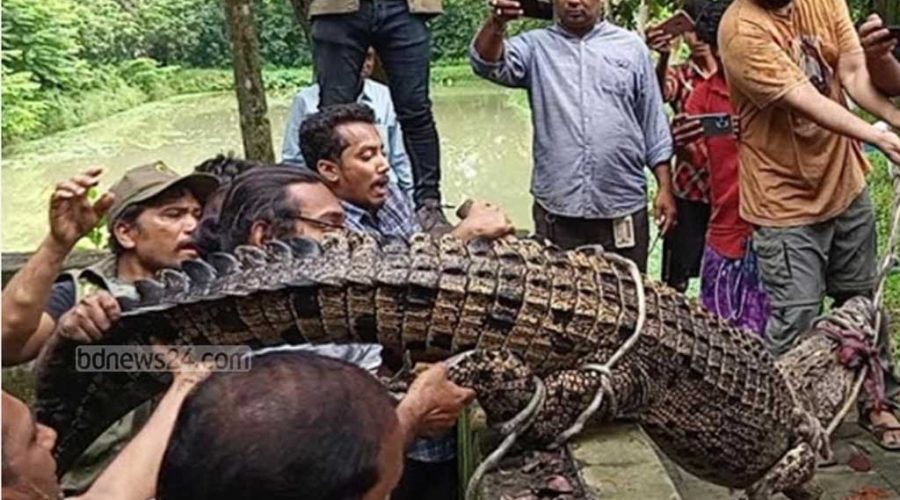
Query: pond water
point(485, 145)
point(485, 148)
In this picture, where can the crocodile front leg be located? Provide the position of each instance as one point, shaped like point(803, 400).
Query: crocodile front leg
point(570, 392)
point(503, 384)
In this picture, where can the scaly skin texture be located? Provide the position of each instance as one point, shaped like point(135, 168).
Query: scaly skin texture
point(710, 395)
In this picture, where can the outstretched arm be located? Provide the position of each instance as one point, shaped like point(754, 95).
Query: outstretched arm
point(26, 326)
point(132, 475)
point(807, 100)
point(856, 79)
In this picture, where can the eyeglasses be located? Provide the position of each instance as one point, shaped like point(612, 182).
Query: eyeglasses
point(317, 222)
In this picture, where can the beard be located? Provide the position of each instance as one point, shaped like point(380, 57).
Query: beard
point(774, 4)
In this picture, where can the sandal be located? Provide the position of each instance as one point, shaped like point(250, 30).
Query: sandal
point(877, 433)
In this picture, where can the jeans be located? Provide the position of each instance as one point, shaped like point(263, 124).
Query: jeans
point(403, 43)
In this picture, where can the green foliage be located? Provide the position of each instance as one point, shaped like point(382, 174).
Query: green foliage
point(98, 237)
point(40, 38)
point(881, 190)
point(66, 62)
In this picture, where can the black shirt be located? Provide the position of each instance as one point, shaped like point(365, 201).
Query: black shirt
point(62, 298)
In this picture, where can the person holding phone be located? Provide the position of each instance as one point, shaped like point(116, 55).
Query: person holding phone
point(598, 121)
point(704, 134)
point(683, 245)
point(789, 65)
point(881, 45)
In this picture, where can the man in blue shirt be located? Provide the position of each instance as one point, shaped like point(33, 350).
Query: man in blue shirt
point(344, 146)
point(374, 95)
point(598, 122)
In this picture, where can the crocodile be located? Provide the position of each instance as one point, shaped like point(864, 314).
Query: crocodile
point(524, 313)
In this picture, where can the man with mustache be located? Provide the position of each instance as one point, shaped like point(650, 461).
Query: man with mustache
point(802, 168)
point(344, 146)
point(598, 122)
point(152, 214)
point(373, 94)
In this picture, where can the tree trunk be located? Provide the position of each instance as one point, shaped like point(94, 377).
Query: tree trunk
point(301, 15)
point(248, 83)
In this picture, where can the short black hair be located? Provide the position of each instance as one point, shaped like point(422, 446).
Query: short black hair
point(319, 139)
point(131, 213)
point(295, 425)
point(693, 8)
point(226, 167)
point(258, 195)
point(707, 21)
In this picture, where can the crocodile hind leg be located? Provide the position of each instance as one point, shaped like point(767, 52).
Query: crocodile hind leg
point(792, 475)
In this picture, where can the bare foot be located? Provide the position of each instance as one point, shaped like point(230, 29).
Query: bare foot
point(886, 420)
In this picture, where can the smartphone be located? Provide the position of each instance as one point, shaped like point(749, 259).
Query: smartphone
point(537, 9)
point(716, 124)
point(678, 24)
point(895, 31)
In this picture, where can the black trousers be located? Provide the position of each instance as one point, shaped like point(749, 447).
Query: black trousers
point(569, 232)
point(403, 43)
point(427, 481)
point(683, 246)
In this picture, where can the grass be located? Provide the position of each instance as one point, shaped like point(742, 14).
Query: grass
point(881, 192)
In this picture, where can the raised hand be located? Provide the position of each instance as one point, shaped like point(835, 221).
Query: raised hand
point(685, 130)
point(72, 215)
point(503, 11)
point(876, 39)
point(659, 40)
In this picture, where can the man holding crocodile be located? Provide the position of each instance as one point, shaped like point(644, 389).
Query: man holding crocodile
point(152, 214)
point(344, 145)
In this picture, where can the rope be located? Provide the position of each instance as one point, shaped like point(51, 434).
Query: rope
point(522, 421)
point(519, 423)
point(889, 261)
point(605, 369)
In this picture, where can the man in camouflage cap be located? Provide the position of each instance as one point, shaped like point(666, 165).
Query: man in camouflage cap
point(152, 213)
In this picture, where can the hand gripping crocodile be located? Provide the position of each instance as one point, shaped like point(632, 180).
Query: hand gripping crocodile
point(548, 339)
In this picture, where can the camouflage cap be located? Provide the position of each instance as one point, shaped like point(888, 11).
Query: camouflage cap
point(147, 181)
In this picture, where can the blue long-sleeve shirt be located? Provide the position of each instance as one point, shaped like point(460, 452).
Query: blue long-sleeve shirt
point(374, 95)
point(597, 113)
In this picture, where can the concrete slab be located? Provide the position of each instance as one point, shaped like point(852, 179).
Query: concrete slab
point(839, 481)
point(617, 461)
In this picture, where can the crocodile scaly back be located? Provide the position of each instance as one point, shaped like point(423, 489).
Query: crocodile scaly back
point(707, 393)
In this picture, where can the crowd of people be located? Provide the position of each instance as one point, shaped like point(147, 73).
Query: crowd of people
point(772, 215)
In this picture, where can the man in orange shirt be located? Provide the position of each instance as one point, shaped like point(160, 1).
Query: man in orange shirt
point(802, 173)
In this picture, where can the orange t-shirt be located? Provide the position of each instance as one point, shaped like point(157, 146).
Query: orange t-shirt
point(793, 172)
